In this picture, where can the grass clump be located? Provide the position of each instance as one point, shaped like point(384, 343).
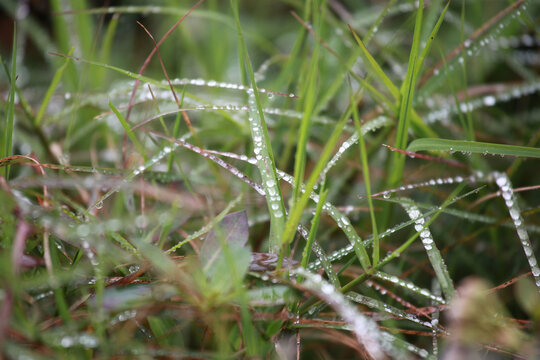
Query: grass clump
point(313, 179)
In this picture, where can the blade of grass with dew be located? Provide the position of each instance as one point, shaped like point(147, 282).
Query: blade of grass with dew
point(329, 208)
point(417, 122)
point(473, 147)
point(313, 230)
point(365, 172)
point(309, 92)
point(330, 91)
point(388, 309)
point(298, 208)
point(54, 281)
point(376, 94)
point(208, 226)
point(357, 245)
point(128, 130)
point(510, 199)
point(262, 146)
point(365, 329)
point(434, 255)
point(7, 147)
point(52, 87)
point(377, 71)
point(450, 200)
point(432, 36)
point(125, 244)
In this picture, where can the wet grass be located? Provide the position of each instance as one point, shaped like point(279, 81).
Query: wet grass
point(292, 179)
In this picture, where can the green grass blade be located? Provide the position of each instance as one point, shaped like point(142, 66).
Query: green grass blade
point(52, 87)
point(10, 106)
point(367, 184)
point(107, 44)
point(407, 95)
point(417, 122)
point(118, 70)
point(309, 93)
point(314, 226)
point(299, 207)
point(433, 252)
point(263, 147)
point(208, 226)
point(375, 67)
point(432, 36)
point(128, 130)
point(62, 33)
point(476, 147)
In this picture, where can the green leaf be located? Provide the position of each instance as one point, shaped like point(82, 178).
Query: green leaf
point(465, 146)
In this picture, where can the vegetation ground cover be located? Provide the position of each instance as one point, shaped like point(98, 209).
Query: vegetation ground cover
point(293, 179)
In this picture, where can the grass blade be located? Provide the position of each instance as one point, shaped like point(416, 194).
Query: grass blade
point(298, 208)
point(10, 105)
point(476, 147)
point(406, 96)
point(433, 252)
point(52, 87)
point(365, 172)
point(309, 95)
point(128, 130)
point(262, 147)
point(375, 67)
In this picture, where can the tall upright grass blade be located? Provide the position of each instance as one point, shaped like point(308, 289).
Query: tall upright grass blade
point(367, 184)
point(406, 101)
point(107, 44)
point(262, 147)
point(10, 105)
point(128, 130)
point(52, 87)
point(375, 67)
point(62, 34)
point(309, 92)
point(298, 208)
point(314, 225)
